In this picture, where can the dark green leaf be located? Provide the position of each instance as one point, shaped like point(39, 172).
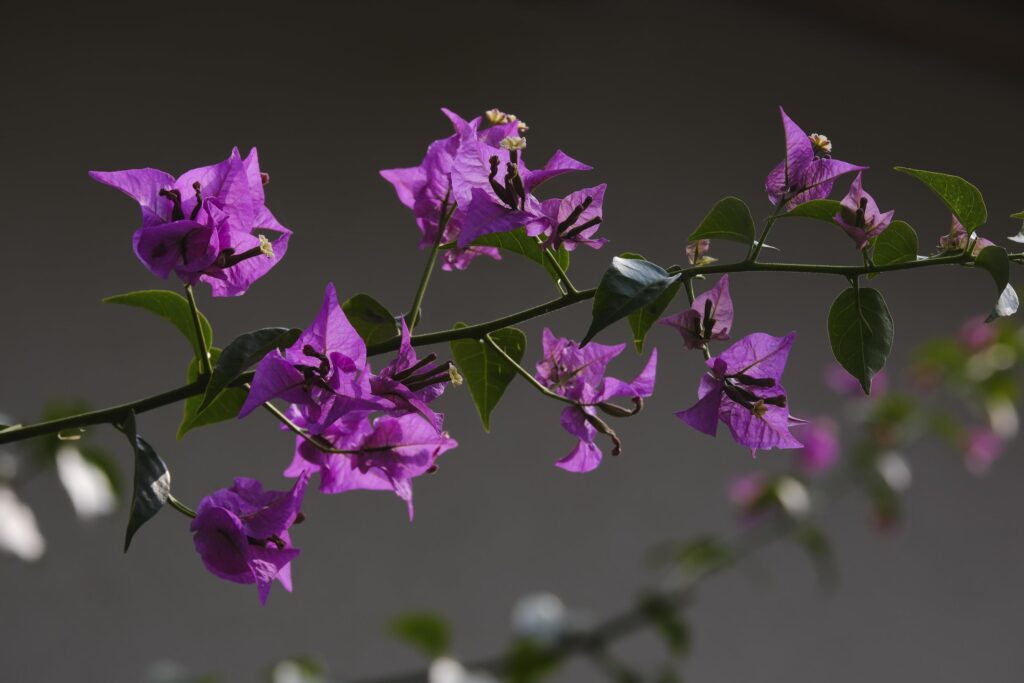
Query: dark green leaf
point(997, 262)
point(426, 631)
point(729, 219)
point(529, 661)
point(373, 322)
point(484, 370)
point(170, 306)
point(1019, 214)
point(962, 198)
point(665, 617)
point(224, 407)
point(640, 320)
point(702, 554)
point(897, 244)
point(241, 354)
point(518, 242)
point(630, 284)
point(860, 330)
point(152, 482)
point(818, 209)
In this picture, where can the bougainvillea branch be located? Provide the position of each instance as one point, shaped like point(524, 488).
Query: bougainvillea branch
point(363, 424)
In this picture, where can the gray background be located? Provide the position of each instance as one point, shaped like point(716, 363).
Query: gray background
point(675, 107)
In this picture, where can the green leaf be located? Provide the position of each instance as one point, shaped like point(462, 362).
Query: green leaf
point(518, 242)
point(860, 330)
point(373, 322)
point(729, 219)
point(1019, 214)
point(224, 407)
point(997, 262)
point(241, 354)
point(426, 631)
point(818, 209)
point(170, 306)
point(486, 373)
point(641, 320)
point(629, 285)
point(962, 198)
point(896, 244)
point(665, 617)
point(152, 482)
point(702, 554)
point(529, 661)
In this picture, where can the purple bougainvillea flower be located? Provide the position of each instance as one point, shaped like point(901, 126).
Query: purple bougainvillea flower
point(241, 533)
point(742, 390)
point(982, 447)
point(977, 335)
point(710, 317)
point(820, 451)
point(957, 240)
point(859, 215)
point(385, 453)
point(205, 226)
point(579, 374)
point(572, 220)
point(324, 372)
point(808, 171)
point(453, 167)
point(493, 188)
point(410, 383)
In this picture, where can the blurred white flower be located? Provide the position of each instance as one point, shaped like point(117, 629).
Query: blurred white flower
point(291, 671)
point(894, 469)
point(541, 617)
point(448, 670)
point(793, 496)
point(19, 533)
point(87, 485)
point(1002, 416)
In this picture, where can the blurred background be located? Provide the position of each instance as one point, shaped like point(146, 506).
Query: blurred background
point(675, 106)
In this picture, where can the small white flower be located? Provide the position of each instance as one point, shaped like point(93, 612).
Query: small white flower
point(541, 617)
point(894, 469)
point(87, 485)
point(19, 533)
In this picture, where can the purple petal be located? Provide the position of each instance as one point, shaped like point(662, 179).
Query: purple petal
point(237, 279)
point(330, 332)
point(758, 355)
point(484, 215)
point(559, 163)
point(770, 430)
point(408, 182)
point(584, 458)
point(143, 185)
point(275, 377)
point(703, 415)
point(641, 387)
point(161, 247)
point(222, 545)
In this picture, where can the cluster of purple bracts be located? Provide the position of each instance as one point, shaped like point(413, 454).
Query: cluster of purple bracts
point(475, 182)
point(361, 429)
